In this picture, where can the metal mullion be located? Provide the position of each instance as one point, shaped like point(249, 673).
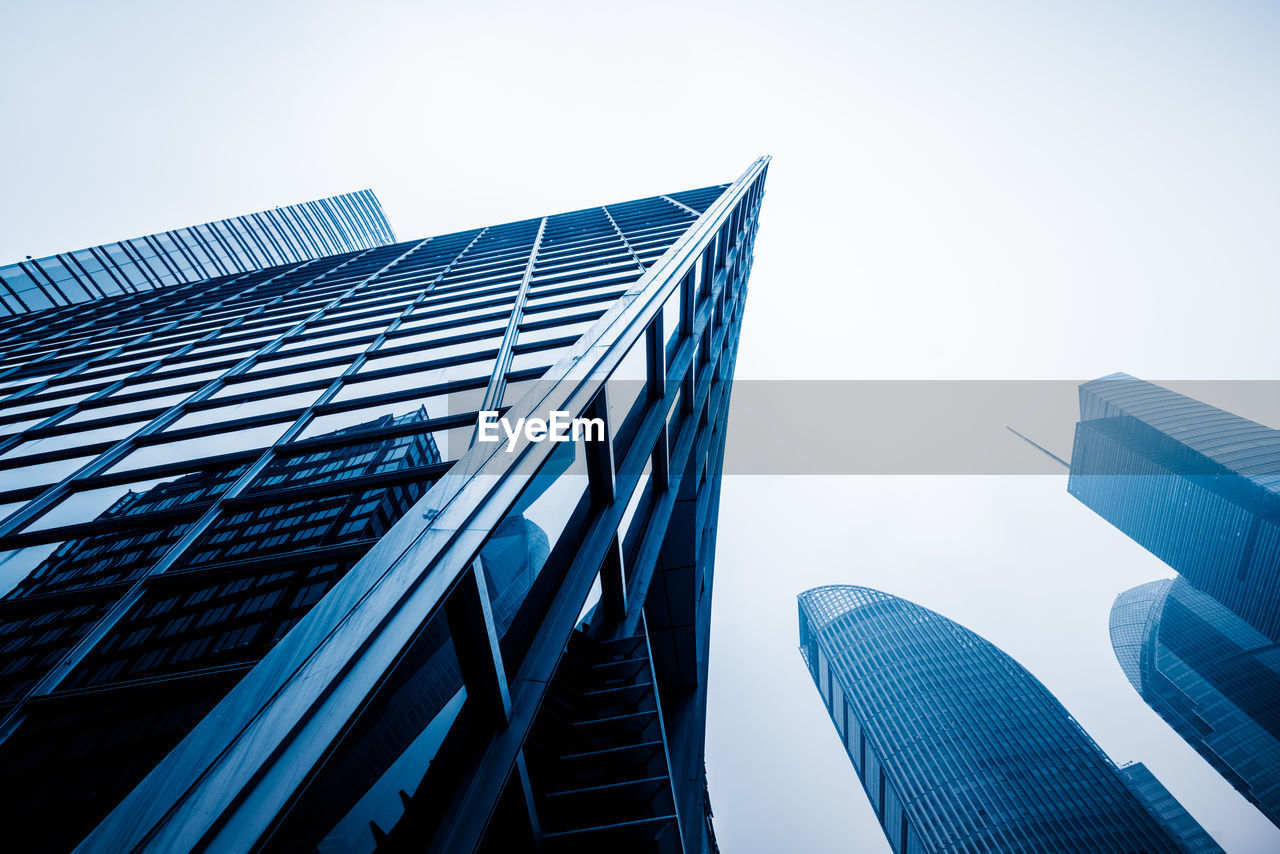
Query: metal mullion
point(162, 255)
point(662, 725)
point(207, 247)
point(363, 205)
point(188, 246)
point(49, 280)
point(228, 257)
point(88, 282)
point(240, 249)
point(149, 274)
point(346, 208)
point(243, 234)
point(626, 243)
point(58, 672)
point(305, 229)
point(118, 271)
point(276, 252)
point(287, 230)
point(498, 379)
point(323, 235)
point(330, 224)
point(477, 645)
point(681, 205)
point(198, 272)
point(251, 235)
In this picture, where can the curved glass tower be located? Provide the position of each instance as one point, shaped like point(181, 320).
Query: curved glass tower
point(1211, 676)
point(958, 747)
point(1196, 486)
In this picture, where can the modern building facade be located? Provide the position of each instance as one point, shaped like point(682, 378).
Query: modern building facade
point(1167, 810)
point(1212, 677)
point(958, 747)
point(1196, 486)
point(287, 235)
point(265, 588)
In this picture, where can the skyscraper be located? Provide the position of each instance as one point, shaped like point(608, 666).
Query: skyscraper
point(958, 747)
point(1196, 486)
point(1212, 677)
point(241, 244)
point(266, 586)
point(1167, 810)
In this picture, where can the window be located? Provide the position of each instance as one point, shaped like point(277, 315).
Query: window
point(246, 409)
point(182, 450)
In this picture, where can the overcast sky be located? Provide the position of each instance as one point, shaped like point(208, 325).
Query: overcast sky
point(977, 190)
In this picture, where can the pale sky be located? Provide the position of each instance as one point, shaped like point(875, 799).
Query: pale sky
point(981, 190)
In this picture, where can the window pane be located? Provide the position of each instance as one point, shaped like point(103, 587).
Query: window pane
point(625, 391)
point(550, 333)
point(150, 403)
point(202, 446)
point(40, 474)
point(522, 544)
point(672, 316)
point(538, 359)
point(417, 379)
point(169, 382)
point(418, 355)
point(16, 565)
point(447, 332)
point(279, 382)
point(18, 407)
point(131, 499)
point(246, 409)
point(113, 433)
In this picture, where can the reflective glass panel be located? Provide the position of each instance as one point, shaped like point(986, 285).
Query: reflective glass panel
point(202, 446)
point(246, 409)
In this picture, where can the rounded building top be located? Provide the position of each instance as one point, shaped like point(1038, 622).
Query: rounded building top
point(1134, 615)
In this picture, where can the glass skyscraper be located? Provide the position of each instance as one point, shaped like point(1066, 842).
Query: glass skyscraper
point(1212, 677)
point(1196, 486)
point(266, 587)
point(1167, 810)
point(241, 244)
point(958, 747)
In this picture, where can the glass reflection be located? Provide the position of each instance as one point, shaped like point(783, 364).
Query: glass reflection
point(522, 544)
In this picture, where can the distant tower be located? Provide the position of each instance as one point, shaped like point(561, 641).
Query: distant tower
point(958, 747)
point(1167, 810)
point(1196, 486)
point(1212, 677)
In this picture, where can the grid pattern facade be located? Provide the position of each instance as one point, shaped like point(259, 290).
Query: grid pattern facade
point(1196, 486)
point(958, 747)
point(1168, 810)
point(352, 221)
point(209, 490)
point(1211, 676)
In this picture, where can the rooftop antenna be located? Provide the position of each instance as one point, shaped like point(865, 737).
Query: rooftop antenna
point(1041, 448)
